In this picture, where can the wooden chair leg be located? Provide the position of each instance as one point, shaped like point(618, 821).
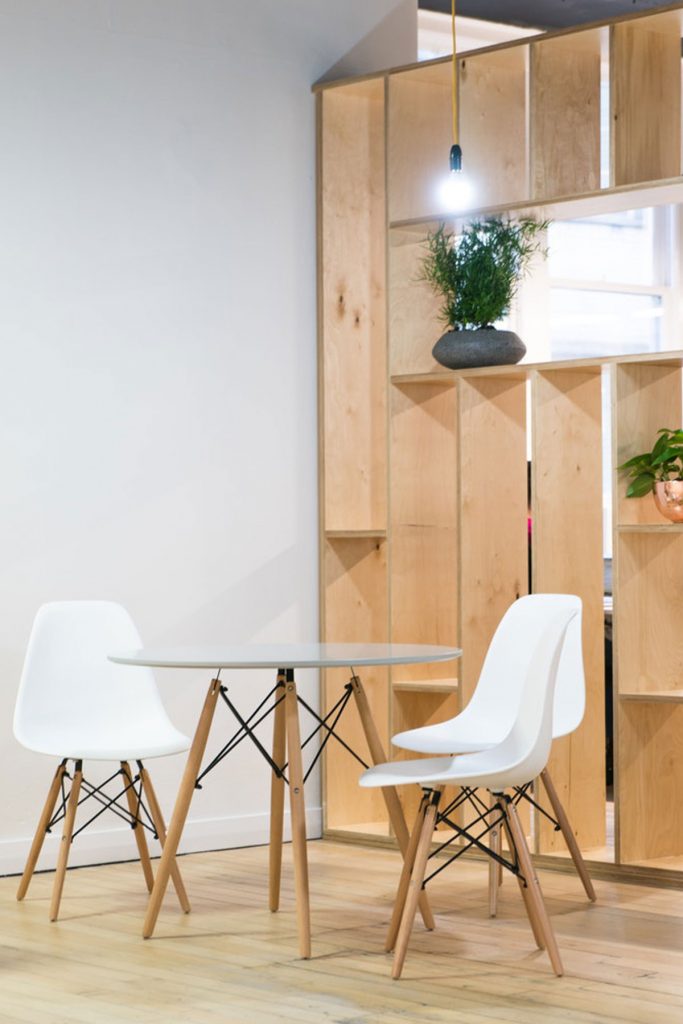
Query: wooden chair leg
point(495, 869)
point(568, 833)
point(138, 828)
point(406, 872)
point(67, 835)
point(277, 798)
point(182, 806)
point(41, 830)
point(415, 885)
point(160, 826)
point(298, 814)
point(391, 797)
point(524, 891)
point(533, 886)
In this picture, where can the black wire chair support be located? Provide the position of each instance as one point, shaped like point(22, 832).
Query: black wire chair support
point(141, 816)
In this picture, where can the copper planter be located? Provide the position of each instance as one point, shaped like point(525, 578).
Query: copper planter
point(668, 495)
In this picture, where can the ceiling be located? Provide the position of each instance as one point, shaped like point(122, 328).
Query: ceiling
point(542, 13)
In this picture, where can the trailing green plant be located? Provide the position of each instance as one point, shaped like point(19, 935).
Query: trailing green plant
point(664, 462)
point(477, 272)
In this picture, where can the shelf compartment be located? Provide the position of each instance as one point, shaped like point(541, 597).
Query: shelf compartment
point(414, 324)
point(353, 320)
point(566, 499)
point(424, 522)
point(664, 527)
point(493, 113)
point(646, 396)
point(645, 98)
point(651, 775)
point(649, 612)
point(565, 114)
point(355, 606)
point(493, 532)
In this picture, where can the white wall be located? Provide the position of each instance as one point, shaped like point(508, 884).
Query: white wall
point(157, 324)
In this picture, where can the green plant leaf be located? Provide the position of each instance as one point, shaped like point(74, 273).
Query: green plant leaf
point(640, 486)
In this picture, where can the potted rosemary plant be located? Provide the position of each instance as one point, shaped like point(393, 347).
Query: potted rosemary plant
point(477, 273)
point(660, 472)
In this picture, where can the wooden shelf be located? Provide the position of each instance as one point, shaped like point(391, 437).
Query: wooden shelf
point(355, 534)
point(663, 527)
point(425, 686)
point(655, 696)
point(662, 192)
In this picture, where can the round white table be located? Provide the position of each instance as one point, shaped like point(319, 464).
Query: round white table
point(286, 751)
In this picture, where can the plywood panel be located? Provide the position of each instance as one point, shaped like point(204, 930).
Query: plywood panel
point(493, 509)
point(356, 608)
point(414, 324)
point(419, 140)
point(353, 308)
point(424, 521)
point(651, 778)
point(649, 612)
point(567, 558)
point(423, 455)
point(646, 397)
point(424, 594)
point(565, 115)
point(493, 125)
point(645, 96)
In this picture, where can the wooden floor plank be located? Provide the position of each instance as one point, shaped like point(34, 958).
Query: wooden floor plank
point(232, 961)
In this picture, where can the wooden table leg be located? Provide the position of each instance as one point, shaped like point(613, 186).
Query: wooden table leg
point(160, 826)
point(182, 806)
point(138, 827)
point(298, 813)
point(390, 795)
point(277, 795)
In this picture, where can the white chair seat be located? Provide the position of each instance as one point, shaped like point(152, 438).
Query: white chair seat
point(442, 738)
point(135, 741)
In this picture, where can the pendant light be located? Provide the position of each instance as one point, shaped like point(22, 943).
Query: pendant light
point(456, 190)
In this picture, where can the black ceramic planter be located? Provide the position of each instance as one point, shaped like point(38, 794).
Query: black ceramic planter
point(486, 346)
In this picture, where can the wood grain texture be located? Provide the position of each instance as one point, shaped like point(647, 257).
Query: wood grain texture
point(645, 397)
point(493, 509)
point(567, 558)
point(353, 313)
point(232, 961)
point(650, 777)
point(356, 605)
point(565, 115)
point(649, 612)
point(645, 98)
point(493, 124)
point(419, 140)
point(414, 325)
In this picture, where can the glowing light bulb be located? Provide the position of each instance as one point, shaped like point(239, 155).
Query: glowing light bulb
point(456, 191)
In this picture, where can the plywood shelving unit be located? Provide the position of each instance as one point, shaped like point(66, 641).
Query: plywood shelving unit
point(424, 533)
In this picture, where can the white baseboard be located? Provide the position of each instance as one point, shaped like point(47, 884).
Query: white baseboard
point(106, 846)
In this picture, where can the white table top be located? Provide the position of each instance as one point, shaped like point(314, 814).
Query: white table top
point(286, 655)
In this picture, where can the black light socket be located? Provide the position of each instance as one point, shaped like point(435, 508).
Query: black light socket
point(455, 158)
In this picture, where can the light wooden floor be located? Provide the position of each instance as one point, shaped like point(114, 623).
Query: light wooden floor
point(233, 962)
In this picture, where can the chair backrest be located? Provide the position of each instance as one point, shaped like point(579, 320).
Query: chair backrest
point(526, 748)
point(497, 697)
point(67, 681)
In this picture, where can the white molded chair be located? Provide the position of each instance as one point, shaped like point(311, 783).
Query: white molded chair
point(512, 762)
point(75, 704)
point(489, 715)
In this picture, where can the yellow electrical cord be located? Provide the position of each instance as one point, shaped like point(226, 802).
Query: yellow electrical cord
point(454, 84)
